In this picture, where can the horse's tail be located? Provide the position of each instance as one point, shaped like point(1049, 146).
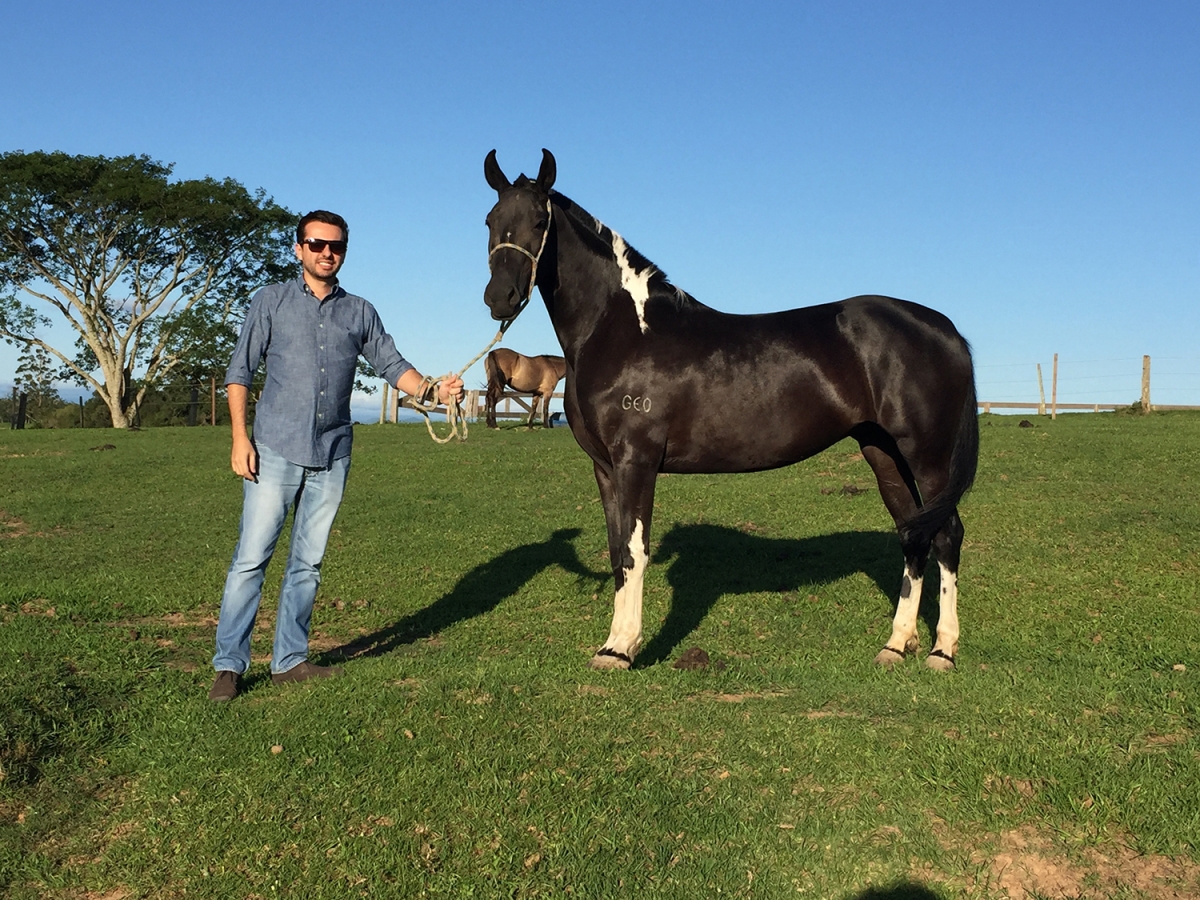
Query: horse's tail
point(494, 375)
point(919, 531)
point(495, 388)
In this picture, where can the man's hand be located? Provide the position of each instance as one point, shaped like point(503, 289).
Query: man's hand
point(244, 458)
point(450, 386)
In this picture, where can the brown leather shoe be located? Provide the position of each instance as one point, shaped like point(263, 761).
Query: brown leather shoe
point(305, 671)
point(227, 686)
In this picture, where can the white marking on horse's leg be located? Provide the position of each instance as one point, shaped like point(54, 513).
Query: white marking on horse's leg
point(945, 648)
point(904, 627)
point(625, 636)
point(636, 283)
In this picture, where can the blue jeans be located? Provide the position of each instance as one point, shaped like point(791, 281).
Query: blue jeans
point(316, 495)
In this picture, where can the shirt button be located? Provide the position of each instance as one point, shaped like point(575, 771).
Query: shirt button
point(322, 370)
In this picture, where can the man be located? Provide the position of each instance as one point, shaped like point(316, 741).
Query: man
point(311, 332)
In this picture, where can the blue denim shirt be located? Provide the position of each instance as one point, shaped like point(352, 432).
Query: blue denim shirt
point(311, 348)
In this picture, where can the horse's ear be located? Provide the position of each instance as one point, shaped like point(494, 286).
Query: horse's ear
point(548, 172)
point(491, 171)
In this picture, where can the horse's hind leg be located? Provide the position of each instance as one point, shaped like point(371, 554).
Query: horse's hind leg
point(947, 547)
point(492, 399)
point(897, 488)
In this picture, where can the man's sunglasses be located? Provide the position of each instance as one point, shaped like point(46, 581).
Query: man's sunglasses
point(316, 245)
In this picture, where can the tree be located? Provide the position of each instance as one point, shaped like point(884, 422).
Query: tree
point(143, 269)
point(35, 379)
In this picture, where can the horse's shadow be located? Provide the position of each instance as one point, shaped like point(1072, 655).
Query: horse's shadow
point(907, 890)
point(709, 561)
point(705, 562)
point(479, 591)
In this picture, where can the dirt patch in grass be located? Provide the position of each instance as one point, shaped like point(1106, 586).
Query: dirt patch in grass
point(737, 698)
point(15, 527)
point(1029, 864)
point(186, 638)
point(38, 607)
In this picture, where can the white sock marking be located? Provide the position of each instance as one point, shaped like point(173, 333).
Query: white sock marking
point(947, 628)
point(625, 636)
point(904, 626)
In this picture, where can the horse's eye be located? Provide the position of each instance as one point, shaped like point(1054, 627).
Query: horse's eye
point(540, 225)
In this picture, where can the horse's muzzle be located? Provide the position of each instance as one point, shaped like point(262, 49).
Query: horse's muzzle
point(502, 298)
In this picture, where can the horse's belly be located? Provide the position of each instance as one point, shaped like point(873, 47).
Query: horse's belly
point(741, 444)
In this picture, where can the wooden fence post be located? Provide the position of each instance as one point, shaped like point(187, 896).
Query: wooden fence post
point(383, 404)
point(395, 417)
point(1041, 393)
point(1145, 384)
point(1054, 390)
point(213, 397)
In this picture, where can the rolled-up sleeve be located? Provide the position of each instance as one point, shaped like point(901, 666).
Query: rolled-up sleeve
point(380, 350)
point(252, 343)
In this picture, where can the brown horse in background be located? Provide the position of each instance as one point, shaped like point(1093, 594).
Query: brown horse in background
point(537, 375)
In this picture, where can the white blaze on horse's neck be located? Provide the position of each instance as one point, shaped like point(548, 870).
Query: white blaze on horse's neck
point(636, 283)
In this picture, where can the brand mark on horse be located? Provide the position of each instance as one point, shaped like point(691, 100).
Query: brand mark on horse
point(641, 404)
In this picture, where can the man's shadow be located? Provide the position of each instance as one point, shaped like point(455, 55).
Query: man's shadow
point(709, 561)
point(480, 591)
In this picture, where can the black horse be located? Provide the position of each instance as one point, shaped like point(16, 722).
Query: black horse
point(658, 382)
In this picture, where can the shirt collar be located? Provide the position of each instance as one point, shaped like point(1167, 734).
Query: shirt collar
point(333, 295)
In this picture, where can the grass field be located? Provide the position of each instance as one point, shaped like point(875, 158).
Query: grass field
point(470, 752)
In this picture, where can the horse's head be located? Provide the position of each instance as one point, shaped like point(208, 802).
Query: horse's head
point(518, 226)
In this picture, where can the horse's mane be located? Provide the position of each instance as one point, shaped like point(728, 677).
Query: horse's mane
point(599, 238)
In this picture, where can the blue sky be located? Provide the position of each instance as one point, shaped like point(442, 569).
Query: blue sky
point(1030, 169)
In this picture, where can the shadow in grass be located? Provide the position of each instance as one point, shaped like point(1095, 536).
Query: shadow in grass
point(479, 591)
point(903, 891)
point(709, 561)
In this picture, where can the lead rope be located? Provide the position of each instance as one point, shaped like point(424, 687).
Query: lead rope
point(425, 400)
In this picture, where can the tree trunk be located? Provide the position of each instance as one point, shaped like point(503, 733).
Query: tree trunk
point(120, 417)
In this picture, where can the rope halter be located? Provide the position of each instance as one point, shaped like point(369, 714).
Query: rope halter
point(426, 401)
point(534, 259)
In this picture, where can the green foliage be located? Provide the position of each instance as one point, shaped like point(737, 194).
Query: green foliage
point(35, 376)
point(147, 271)
point(469, 751)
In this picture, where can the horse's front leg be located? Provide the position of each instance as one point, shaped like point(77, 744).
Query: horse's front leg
point(627, 493)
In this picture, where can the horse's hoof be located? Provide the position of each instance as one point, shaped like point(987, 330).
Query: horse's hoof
point(610, 659)
point(939, 661)
point(887, 657)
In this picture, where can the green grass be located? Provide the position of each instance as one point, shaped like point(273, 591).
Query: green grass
point(470, 752)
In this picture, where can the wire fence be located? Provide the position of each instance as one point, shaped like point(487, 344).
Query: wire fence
point(1096, 384)
point(1108, 382)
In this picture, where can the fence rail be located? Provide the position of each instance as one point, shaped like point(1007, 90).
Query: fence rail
point(199, 405)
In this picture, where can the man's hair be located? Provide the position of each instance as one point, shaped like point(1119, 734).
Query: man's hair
point(322, 215)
